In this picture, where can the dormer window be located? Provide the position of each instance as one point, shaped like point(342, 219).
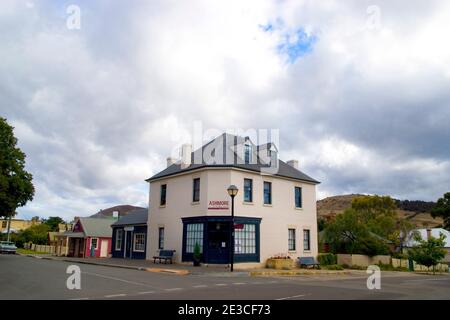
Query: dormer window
point(247, 153)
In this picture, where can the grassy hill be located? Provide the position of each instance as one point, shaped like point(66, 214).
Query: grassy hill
point(415, 211)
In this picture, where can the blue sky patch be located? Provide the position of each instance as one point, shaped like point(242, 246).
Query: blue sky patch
point(296, 45)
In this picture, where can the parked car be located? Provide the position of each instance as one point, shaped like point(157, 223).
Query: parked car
point(7, 247)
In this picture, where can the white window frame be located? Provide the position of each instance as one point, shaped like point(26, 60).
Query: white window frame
point(161, 238)
point(294, 239)
point(309, 240)
point(301, 197)
point(248, 147)
point(134, 241)
point(96, 243)
point(118, 248)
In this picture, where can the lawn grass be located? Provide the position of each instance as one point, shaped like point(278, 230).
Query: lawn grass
point(27, 251)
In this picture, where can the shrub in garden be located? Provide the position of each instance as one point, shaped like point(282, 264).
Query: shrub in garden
point(327, 259)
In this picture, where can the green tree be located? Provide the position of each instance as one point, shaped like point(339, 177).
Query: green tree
point(53, 223)
point(348, 233)
point(16, 187)
point(321, 223)
point(378, 212)
point(37, 234)
point(364, 228)
point(442, 209)
point(428, 252)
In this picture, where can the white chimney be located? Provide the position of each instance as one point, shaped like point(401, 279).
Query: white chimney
point(293, 163)
point(186, 150)
point(170, 161)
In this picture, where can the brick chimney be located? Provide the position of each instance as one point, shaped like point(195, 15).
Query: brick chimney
point(428, 233)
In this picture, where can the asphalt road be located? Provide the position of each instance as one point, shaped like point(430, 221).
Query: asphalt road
point(30, 278)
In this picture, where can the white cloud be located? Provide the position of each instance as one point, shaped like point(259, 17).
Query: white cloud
point(97, 110)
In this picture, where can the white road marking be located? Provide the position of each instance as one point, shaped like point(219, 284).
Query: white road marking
point(79, 299)
point(200, 286)
point(115, 295)
point(432, 279)
point(146, 292)
point(121, 280)
point(292, 297)
point(173, 289)
point(221, 284)
point(238, 283)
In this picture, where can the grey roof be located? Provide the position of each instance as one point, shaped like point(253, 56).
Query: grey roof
point(96, 227)
point(123, 210)
point(71, 234)
point(284, 170)
point(138, 216)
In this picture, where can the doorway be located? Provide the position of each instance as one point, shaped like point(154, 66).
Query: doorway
point(218, 242)
point(104, 249)
point(128, 244)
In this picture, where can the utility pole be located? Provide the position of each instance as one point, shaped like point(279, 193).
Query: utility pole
point(9, 227)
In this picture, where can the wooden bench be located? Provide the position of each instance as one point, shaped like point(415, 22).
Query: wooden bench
point(166, 255)
point(307, 261)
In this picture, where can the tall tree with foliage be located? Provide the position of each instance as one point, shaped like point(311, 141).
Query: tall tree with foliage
point(53, 222)
point(428, 252)
point(442, 209)
point(364, 228)
point(37, 234)
point(16, 187)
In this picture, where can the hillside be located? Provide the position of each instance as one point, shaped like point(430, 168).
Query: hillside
point(415, 211)
point(123, 210)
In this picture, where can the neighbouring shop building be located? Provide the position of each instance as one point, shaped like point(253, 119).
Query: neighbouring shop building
point(275, 208)
point(89, 237)
point(129, 235)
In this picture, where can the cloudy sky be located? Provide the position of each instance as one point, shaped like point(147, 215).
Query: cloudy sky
point(358, 89)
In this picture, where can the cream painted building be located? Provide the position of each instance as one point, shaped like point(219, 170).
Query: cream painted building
point(17, 225)
point(275, 208)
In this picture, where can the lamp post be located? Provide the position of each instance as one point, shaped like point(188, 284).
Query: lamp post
point(232, 191)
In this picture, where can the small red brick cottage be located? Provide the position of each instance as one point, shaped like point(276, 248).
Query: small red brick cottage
point(89, 237)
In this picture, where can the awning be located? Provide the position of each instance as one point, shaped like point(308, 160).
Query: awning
point(71, 235)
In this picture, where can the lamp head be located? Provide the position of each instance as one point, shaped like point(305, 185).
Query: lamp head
point(232, 190)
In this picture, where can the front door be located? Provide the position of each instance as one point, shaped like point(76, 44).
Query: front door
point(218, 242)
point(128, 244)
point(104, 249)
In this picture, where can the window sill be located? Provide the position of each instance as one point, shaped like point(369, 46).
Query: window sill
point(193, 203)
point(300, 209)
point(306, 251)
point(292, 251)
point(247, 203)
point(139, 251)
point(162, 206)
point(267, 205)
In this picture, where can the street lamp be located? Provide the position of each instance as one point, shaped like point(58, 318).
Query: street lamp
point(232, 191)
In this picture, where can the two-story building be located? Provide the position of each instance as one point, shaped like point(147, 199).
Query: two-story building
point(275, 208)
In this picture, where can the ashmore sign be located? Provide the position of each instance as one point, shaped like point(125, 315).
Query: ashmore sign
point(218, 205)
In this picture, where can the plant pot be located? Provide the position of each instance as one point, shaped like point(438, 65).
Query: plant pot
point(280, 264)
point(196, 262)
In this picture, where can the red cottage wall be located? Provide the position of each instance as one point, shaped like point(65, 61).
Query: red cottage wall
point(99, 244)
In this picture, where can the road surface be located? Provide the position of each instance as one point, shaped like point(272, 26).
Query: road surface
point(24, 277)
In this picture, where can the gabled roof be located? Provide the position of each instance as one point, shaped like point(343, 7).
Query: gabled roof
point(135, 217)
point(123, 210)
point(284, 170)
point(96, 227)
point(435, 232)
